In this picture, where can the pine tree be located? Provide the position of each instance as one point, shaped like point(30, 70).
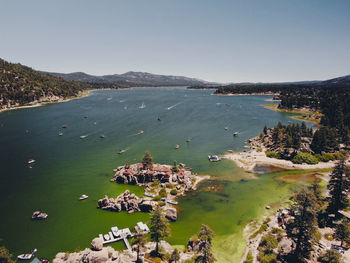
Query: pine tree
point(342, 232)
point(339, 186)
point(159, 227)
point(175, 256)
point(205, 236)
point(148, 160)
point(302, 228)
point(140, 241)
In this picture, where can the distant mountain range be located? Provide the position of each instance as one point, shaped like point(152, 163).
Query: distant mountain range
point(134, 79)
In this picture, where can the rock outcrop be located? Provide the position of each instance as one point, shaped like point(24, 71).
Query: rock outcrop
point(97, 244)
point(171, 214)
point(127, 202)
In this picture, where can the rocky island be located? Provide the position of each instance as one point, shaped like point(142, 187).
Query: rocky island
point(163, 184)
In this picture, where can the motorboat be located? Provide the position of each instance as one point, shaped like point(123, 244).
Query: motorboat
point(83, 136)
point(235, 134)
point(64, 126)
point(226, 128)
point(177, 146)
point(230, 151)
point(115, 231)
point(214, 158)
point(121, 151)
point(27, 256)
point(102, 136)
point(31, 161)
point(149, 195)
point(83, 197)
point(172, 202)
point(188, 140)
point(39, 215)
point(60, 134)
point(141, 131)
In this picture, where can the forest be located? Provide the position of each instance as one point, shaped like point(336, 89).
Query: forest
point(21, 85)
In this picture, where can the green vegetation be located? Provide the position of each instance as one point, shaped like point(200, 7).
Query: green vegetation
point(21, 85)
point(140, 241)
point(173, 192)
point(266, 246)
point(330, 256)
point(305, 158)
point(342, 232)
point(175, 168)
point(262, 229)
point(175, 256)
point(147, 160)
point(162, 192)
point(159, 227)
point(273, 155)
point(205, 236)
point(5, 255)
point(249, 258)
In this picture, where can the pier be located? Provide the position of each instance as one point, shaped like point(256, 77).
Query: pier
point(116, 234)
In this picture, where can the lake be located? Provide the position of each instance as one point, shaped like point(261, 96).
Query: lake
point(67, 167)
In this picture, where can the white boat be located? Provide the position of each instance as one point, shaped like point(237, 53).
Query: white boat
point(226, 128)
point(141, 131)
point(115, 231)
point(102, 136)
point(149, 195)
point(172, 202)
point(106, 237)
point(188, 140)
point(121, 151)
point(31, 161)
point(214, 158)
point(83, 136)
point(83, 197)
point(142, 106)
point(60, 134)
point(38, 215)
point(27, 256)
point(235, 134)
point(177, 146)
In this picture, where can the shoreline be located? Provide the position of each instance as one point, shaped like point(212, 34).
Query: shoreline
point(80, 95)
point(247, 94)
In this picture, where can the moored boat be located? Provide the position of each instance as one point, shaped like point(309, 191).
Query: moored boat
point(214, 158)
point(64, 126)
point(235, 134)
point(31, 160)
point(172, 202)
point(27, 256)
point(177, 146)
point(83, 136)
point(102, 136)
point(140, 132)
point(83, 197)
point(39, 215)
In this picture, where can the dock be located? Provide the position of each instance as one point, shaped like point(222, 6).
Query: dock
point(123, 234)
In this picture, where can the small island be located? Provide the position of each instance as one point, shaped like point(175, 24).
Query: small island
point(163, 184)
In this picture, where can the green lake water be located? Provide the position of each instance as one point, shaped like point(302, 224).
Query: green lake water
point(67, 166)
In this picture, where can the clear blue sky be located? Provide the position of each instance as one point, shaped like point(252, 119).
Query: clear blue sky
point(224, 41)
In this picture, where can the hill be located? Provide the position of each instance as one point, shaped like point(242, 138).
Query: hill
point(135, 79)
point(21, 85)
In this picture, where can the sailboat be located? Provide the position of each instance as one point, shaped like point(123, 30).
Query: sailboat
point(142, 106)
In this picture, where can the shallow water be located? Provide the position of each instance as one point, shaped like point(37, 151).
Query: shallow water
point(67, 166)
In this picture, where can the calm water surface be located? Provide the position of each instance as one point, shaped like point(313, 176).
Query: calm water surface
point(67, 166)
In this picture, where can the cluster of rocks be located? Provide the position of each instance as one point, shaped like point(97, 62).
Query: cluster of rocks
point(127, 202)
point(98, 254)
point(139, 174)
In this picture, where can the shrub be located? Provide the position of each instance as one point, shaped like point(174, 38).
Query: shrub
point(268, 258)
point(157, 198)
point(305, 158)
point(330, 256)
point(249, 258)
point(155, 183)
point(276, 231)
point(170, 186)
point(173, 192)
point(161, 203)
point(268, 243)
point(259, 149)
point(328, 236)
point(162, 192)
point(273, 155)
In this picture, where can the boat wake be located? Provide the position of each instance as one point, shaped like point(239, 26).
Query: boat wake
point(173, 106)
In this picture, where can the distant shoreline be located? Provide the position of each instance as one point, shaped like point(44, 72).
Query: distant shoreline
point(80, 95)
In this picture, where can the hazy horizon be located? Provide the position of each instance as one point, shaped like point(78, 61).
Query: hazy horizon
point(226, 41)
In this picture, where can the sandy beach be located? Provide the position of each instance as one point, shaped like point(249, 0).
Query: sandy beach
point(248, 161)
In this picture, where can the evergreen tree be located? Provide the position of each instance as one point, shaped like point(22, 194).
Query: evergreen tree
point(330, 256)
point(159, 227)
point(302, 228)
point(175, 256)
point(338, 186)
point(148, 160)
point(140, 241)
point(342, 232)
point(265, 129)
point(205, 236)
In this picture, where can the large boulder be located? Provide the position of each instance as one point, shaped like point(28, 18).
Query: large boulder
point(171, 214)
point(97, 244)
point(147, 205)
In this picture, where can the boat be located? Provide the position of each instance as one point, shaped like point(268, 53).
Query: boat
point(163, 199)
point(226, 128)
point(235, 134)
point(141, 131)
point(85, 117)
point(102, 136)
point(95, 123)
point(83, 197)
point(64, 126)
point(172, 202)
point(159, 119)
point(60, 134)
point(83, 136)
point(115, 231)
point(188, 140)
point(214, 158)
point(142, 106)
point(149, 195)
point(31, 161)
point(39, 215)
point(106, 237)
point(121, 151)
point(27, 256)
point(177, 146)
point(230, 151)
